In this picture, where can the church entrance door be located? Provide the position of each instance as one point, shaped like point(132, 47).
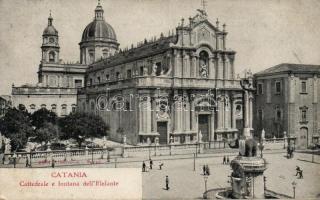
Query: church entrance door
point(303, 138)
point(163, 131)
point(203, 121)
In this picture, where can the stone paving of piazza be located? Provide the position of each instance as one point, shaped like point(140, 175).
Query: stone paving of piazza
point(188, 184)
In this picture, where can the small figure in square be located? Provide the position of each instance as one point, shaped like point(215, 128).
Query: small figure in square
point(228, 160)
point(160, 165)
point(27, 161)
point(207, 170)
point(297, 170)
point(204, 170)
point(224, 160)
point(151, 163)
point(143, 166)
point(167, 183)
point(53, 162)
point(301, 173)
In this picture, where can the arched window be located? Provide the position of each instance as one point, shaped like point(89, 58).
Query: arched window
point(105, 53)
point(204, 64)
point(63, 110)
point(52, 56)
point(74, 108)
point(32, 108)
point(54, 108)
point(43, 106)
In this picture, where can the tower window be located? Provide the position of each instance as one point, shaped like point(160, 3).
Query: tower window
point(129, 74)
point(51, 56)
point(303, 87)
point(278, 87)
point(141, 71)
point(260, 90)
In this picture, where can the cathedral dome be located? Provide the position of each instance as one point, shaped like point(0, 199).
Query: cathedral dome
point(99, 30)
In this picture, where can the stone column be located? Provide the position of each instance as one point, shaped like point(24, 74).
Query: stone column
point(194, 66)
point(220, 114)
point(148, 115)
point(212, 126)
point(246, 130)
point(234, 122)
point(250, 111)
point(153, 120)
point(225, 68)
point(227, 114)
point(212, 70)
point(193, 115)
point(46, 80)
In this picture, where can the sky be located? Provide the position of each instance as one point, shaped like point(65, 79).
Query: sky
point(264, 33)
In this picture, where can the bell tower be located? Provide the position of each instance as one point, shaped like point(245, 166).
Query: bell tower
point(50, 43)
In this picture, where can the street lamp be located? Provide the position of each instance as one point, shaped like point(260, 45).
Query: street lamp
point(285, 139)
point(313, 146)
point(205, 177)
point(261, 144)
point(294, 184)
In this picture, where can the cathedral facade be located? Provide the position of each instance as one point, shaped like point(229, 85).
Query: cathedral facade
point(179, 88)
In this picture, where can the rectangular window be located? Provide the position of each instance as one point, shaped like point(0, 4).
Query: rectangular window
point(90, 81)
point(78, 83)
point(107, 77)
point(303, 87)
point(129, 74)
point(278, 87)
point(98, 78)
point(141, 71)
point(118, 75)
point(303, 115)
point(260, 90)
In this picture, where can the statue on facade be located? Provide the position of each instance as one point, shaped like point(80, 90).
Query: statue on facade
point(148, 141)
point(200, 136)
point(7, 146)
point(203, 70)
point(124, 139)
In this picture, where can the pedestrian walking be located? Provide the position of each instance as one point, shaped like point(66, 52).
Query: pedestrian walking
point(207, 170)
point(167, 183)
point(53, 163)
point(14, 160)
point(204, 170)
point(297, 170)
point(151, 163)
point(228, 160)
point(300, 173)
point(224, 160)
point(143, 166)
point(160, 165)
point(27, 161)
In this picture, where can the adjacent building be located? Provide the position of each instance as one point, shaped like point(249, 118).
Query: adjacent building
point(5, 104)
point(57, 84)
point(178, 88)
point(288, 101)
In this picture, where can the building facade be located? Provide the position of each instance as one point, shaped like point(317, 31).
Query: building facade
point(57, 84)
point(179, 88)
point(287, 100)
point(5, 104)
